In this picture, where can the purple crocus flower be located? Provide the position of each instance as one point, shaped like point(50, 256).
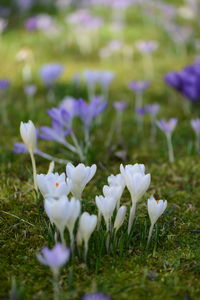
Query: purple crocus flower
point(96, 296)
point(91, 77)
point(120, 105)
point(3, 25)
point(24, 5)
point(186, 81)
point(4, 84)
point(139, 86)
point(31, 23)
point(20, 148)
point(167, 126)
point(55, 133)
point(30, 90)
point(152, 109)
point(146, 47)
point(105, 78)
point(174, 80)
point(195, 123)
point(54, 258)
point(51, 72)
point(61, 116)
point(141, 111)
point(70, 105)
point(88, 111)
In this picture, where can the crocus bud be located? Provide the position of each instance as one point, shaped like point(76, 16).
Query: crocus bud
point(106, 206)
point(29, 137)
point(119, 220)
point(51, 167)
point(57, 211)
point(87, 225)
point(28, 134)
point(137, 183)
point(155, 208)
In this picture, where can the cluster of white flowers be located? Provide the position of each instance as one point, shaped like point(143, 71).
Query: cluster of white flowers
point(64, 211)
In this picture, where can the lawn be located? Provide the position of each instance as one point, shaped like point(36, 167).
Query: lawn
point(170, 267)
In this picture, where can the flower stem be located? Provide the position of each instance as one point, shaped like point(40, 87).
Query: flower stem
point(56, 289)
point(131, 216)
point(34, 170)
point(170, 148)
point(62, 238)
point(85, 251)
point(76, 143)
point(150, 233)
point(197, 142)
point(49, 157)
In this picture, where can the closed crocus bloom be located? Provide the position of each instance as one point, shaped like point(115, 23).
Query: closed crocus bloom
point(137, 183)
point(117, 181)
point(120, 217)
point(74, 209)
point(87, 225)
point(78, 177)
point(155, 210)
point(106, 206)
point(29, 137)
point(113, 192)
point(58, 213)
point(52, 185)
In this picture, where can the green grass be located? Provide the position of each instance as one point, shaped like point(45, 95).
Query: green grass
point(170, 268)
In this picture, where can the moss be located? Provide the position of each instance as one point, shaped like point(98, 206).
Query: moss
point(170, 269)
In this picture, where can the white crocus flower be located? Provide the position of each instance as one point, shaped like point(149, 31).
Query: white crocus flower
point(113, 191)
point(117, 181)
point(52, 185)
point(137, 183)
point(57, 211)
point(78, 177)
point(120, 217)
point(63, 213)
point(106, 206)
point(87, 225)
point(29, 137)
point(74, 209)
point(155, 210)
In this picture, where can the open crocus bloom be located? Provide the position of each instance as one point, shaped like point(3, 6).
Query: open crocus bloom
point(53, 185)
point(78, 177)
point(54, 258)
point(155, 208)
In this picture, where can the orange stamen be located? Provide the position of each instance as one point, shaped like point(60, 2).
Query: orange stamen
point(57, 184)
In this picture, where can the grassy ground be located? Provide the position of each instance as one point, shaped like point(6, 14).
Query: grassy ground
point(170, 269)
